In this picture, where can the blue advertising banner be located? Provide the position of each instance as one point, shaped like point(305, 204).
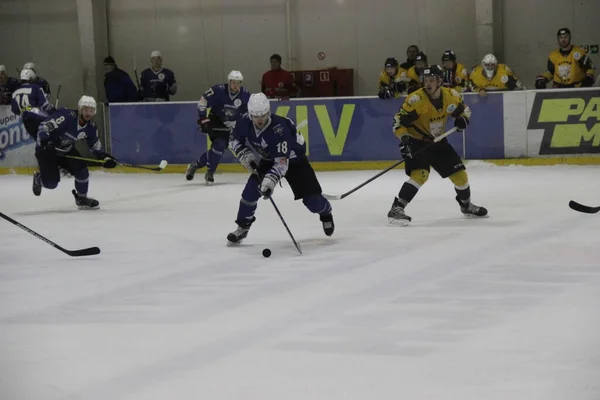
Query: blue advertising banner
point(337, 130)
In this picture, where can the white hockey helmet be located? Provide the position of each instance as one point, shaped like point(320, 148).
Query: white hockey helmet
point(87, 101)
point(235, 76)
point(258, 105)
point(2, 68)
point(489, 62)
point(29, 65)
point(27, 75)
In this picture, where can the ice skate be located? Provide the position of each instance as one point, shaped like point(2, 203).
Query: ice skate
point(208, 178)
point(397, 216)
point(471, 210)
point(238, 235)
point(328, 225)
point(37, 184)
point(191, 171)
point(84, 202)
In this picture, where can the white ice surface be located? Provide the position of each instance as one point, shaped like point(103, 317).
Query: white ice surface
point(449, 308)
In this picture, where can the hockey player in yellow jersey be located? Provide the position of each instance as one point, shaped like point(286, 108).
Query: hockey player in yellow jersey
point(421, 118)
point(568, 66)
point(492, 76)
point(414, 72)
point(392, 80)
point(455, 74)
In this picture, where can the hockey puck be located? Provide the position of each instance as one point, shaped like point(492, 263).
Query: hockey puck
point(266, 253)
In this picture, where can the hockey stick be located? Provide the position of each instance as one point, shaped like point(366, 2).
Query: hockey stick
point(137, 80)
point(583, 208)
point(161, 166)
point(388, 169)
point(257, 175)
point(90, 251)
point(57, 96)
point(285, 225)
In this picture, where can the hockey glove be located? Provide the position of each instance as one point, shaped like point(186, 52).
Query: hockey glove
point(588, 81)
point(399, 87)
point(461, 123)
point(109, 161)
point(204, 125)
point(385, 93)
point(540, 82)
point(247, 159)
point(267, 186)
point(405, 147)
point(47, 146)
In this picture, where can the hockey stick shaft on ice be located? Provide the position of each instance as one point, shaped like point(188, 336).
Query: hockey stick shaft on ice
point(160, 167)
point(90, 251)
point(388, 169)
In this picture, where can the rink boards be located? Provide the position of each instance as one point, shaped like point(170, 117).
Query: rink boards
point(534, 127)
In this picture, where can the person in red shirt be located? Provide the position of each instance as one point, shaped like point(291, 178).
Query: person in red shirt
point(278, 83)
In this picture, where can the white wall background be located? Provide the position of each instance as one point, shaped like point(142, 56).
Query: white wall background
point(46, 33)
point(202, 40)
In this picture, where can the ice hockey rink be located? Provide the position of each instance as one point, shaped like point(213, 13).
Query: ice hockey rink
point(506, 307)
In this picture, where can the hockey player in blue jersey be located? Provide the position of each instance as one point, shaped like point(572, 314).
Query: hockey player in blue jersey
point(157, 83)
point(31, 103)
point(56, 139)
point(226, 102)
point(38, 79)
point(282, 154)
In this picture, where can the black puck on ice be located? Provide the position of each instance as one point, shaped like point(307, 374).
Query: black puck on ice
point(266, 253)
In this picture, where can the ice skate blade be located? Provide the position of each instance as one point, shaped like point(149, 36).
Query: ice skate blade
point(398, 222)
point(88, 208)
point(471, 216)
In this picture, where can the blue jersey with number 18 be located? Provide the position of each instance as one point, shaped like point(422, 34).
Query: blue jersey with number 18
point(278, 141)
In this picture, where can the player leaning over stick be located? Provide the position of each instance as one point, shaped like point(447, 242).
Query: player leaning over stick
point(421, 118)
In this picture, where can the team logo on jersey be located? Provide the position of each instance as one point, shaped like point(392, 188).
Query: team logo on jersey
point(577, 55)
point(451, 108)
point(571, 122)
point(237, 102)
point(278, 129)
point(280, 84)
point(504, 78)
point(413, 99)
point(161, 76)
point(564, 70)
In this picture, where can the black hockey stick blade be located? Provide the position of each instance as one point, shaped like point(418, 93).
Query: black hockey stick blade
point(583, 208)
point(90, 251)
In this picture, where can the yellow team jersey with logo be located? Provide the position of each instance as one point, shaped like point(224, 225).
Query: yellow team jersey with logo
point(421, 119)
point(392, 82)
point(504, 79)
point(568, 70)
point(456, 79)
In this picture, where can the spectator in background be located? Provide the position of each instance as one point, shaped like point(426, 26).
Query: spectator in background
point(392, 80)
point(278, 83)
point(157, 83)
point(411, 56)
point(455, 74)
point(569, 66)
point(7, 86)
point(118, 84)
point(414, 72)
point(38, 80)
point(493, 76)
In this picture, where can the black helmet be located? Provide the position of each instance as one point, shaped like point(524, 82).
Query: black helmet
point(391, 62)
point(433, 70)
point(563, 31)
point(421, 57)
point(449, 55)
